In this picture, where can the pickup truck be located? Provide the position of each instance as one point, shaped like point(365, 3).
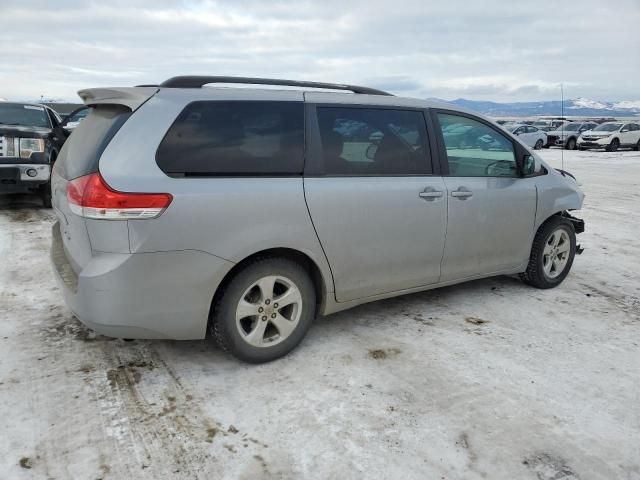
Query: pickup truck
point(31, 137)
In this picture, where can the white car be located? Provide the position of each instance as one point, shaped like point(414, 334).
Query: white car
point(611, 136)
point(567, 135)
point(528, 134)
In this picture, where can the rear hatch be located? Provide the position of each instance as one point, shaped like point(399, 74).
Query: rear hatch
point(80, 156)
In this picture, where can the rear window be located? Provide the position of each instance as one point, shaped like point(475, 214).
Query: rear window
point(82, 150)
point(234, 138)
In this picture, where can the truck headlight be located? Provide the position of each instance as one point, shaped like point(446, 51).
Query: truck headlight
point(30, 145)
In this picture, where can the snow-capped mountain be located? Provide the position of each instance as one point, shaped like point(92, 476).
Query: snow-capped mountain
point(574, 107)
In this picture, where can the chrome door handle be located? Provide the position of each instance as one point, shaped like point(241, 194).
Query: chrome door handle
point(430, 194)
point(462, 194)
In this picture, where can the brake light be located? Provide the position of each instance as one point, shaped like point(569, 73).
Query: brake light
point(90, 197)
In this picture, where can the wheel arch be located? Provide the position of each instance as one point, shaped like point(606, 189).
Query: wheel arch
point(320, 283)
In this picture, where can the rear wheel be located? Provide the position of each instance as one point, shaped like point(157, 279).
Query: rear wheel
point(538, 144)
point(571, 144)
point(613, 146)
point(265, 310)
point(552, 254)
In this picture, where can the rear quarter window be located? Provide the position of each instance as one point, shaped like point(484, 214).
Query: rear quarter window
point(81, 152)
point(211, 138)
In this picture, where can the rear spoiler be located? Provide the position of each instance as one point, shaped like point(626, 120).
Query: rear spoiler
point(131, 97)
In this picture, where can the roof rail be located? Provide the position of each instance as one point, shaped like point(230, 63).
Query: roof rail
point(197, 81)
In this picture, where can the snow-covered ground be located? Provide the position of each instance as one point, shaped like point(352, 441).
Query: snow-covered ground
point(490, 379)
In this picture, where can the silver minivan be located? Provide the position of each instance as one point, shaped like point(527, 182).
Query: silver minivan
point(187, 210)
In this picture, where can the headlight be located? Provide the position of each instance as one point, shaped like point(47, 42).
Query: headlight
point(30, 145)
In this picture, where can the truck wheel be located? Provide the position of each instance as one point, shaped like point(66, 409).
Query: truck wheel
point(571, 144)
point(264, 311)
point(45, 194)
point(538, 144)
point(613, 146)
point(552, 254)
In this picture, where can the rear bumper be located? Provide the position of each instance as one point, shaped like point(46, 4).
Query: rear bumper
point(15, 178)
point(142, 295)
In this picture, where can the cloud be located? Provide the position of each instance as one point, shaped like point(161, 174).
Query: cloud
point(428, 48)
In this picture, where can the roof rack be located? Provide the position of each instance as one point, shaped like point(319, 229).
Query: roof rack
point(197, 81)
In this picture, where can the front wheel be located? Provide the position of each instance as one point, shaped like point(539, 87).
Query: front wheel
point(613, 146)
point(637, 147)
point(45, 194)
point(571, 144)
point(552, 254)
point(538, 144)
point(265, 310)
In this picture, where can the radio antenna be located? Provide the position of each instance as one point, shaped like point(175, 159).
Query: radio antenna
point(562, 115)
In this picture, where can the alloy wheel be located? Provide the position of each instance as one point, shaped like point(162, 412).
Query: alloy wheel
point(556, 253)
point(269, 311)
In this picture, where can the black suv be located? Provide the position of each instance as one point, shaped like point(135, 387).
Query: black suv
point(31, 136)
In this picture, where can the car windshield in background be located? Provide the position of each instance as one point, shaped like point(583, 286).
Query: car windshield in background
point(571, 127)
point(607, 127)
point(18, 114)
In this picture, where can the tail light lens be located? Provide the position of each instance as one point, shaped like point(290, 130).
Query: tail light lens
point(90, 197)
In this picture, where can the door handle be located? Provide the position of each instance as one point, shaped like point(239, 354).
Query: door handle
point(430, 194)
point(461, 194)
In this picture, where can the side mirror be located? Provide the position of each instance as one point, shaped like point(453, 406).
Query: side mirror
point(370, 153)
point(526, 164)
point(624, 130)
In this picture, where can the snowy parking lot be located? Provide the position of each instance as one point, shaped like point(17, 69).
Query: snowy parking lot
point(490, 379)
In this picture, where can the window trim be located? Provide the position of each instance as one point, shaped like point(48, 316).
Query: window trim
point(314, 162)
point(518, 149)
point(193, 175)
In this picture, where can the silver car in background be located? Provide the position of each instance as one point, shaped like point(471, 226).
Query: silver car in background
point(187, 211)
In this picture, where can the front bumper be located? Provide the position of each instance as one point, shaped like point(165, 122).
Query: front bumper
point(600, 143)
point(141, 295)
point(15, 178)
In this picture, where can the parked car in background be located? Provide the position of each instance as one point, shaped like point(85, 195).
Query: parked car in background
point(567, 135)
point(611, 136)
point(530, 135)
point(31, 136)
point(74, 118)
point(328, 200)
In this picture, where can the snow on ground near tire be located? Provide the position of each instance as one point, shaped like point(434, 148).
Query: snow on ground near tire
point(489, 379)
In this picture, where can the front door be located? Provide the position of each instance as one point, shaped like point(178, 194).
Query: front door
point(379, 212)
point(491, 210)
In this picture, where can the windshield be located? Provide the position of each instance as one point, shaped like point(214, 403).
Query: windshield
point(570, 127)
point(544, 124)
point(18, 114)
point(607, 127)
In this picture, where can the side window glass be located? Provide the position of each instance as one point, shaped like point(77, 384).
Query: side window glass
point(369, 141)
point(234, 138)
point(476, 149)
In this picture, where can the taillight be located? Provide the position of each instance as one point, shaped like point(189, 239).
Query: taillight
point(91, 197)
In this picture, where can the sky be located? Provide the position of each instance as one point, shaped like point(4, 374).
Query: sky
point(500, 50)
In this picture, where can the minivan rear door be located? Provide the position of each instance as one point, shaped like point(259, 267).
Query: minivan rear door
point(377, 206)
point(80, 156)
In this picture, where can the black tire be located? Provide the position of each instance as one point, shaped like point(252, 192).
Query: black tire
point(539, 144)
point(535, 275)
point(45, 194)
point(223, 327)
point(613, 146)
point(637, 147)
point(571, 144)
